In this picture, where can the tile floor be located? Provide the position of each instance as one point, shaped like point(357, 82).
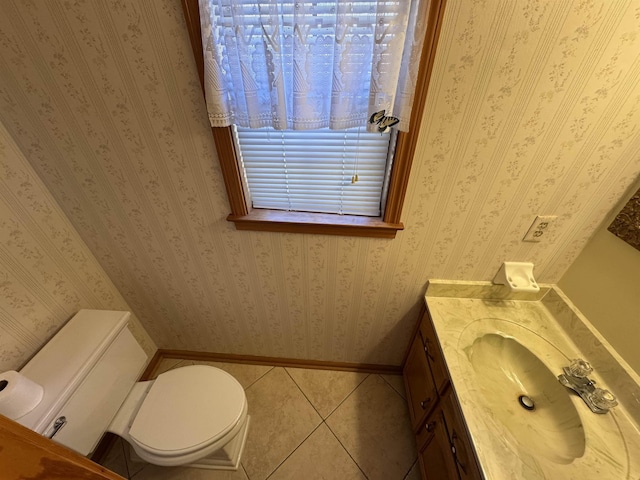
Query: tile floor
point(306, 424)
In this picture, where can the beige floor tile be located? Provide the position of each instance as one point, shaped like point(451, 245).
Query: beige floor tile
point(281, 419)
point(320, 457)
point(326, 389)
point(114, 460)
point(414, 473)
point(397, 383)
point(154, 472)
point(246, 374)
point(373, 425)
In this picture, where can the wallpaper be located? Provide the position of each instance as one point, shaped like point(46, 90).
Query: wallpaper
point(533, 110)
point(47, 273)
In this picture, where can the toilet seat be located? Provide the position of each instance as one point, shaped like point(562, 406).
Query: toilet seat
point(188, 410)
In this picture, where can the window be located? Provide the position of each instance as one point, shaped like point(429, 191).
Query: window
point(384, 225)
point(324, 171)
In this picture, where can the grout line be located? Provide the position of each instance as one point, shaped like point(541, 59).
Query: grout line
point(336, 436)
point(128, 449)
point(304, 395)
point(293, 451)
point(144, 467)
point(339, 403)
point(409, 471)
point(322, 420)
point(393, 388)
point(346, 450)
point(350, 393)
point(261, 376)
point(124, 457)
point(334, 433)
point(136, 474)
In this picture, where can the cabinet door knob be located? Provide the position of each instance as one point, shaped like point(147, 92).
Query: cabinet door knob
point(426, 350)
point(454, 450)
point(425, 402)
point(430, 427)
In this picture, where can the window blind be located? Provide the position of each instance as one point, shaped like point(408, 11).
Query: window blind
point(315, 170)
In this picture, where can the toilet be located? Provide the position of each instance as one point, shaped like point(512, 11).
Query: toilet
point(195, 415)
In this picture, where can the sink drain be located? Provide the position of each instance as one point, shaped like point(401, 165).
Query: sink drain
point(526, 402)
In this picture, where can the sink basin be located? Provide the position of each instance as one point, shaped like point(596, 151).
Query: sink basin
point(497, 350)
point(524, 396)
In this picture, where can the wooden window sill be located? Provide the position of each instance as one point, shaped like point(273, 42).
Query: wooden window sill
point(316, 223)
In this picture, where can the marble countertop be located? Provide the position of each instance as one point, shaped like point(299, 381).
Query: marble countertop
point(549, 325)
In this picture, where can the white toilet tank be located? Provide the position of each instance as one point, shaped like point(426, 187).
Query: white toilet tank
point(87, 369)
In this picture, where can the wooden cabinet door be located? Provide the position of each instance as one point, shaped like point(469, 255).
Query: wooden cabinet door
point(460, 442)
point(24, 454)
point(435, 456)
point(421, 390)
point(434, 353)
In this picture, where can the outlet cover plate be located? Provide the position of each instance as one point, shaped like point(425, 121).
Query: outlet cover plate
point(539, 229)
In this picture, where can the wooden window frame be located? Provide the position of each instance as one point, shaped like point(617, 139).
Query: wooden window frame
point(386, 226)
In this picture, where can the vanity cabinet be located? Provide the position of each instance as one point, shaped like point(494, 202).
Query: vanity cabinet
point(421, 390)
point(444, 447)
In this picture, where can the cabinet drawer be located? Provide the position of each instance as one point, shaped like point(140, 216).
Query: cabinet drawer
point(421, 391)
point(434, 354)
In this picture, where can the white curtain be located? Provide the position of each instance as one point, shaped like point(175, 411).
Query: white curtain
point(306, 65)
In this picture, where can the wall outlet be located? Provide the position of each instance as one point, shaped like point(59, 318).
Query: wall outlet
point(539, 229)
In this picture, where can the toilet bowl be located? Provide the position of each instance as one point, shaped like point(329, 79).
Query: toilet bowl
point(195, 415)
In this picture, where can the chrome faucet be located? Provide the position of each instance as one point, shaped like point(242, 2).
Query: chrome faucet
point(575, 377)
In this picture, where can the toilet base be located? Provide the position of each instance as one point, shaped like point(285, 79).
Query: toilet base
point(226, 458)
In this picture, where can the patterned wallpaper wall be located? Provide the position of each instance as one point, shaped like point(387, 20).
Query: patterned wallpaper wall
point(47, 273)
point(533, 109)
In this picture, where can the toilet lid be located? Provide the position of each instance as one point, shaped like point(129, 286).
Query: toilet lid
point(187, 409)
